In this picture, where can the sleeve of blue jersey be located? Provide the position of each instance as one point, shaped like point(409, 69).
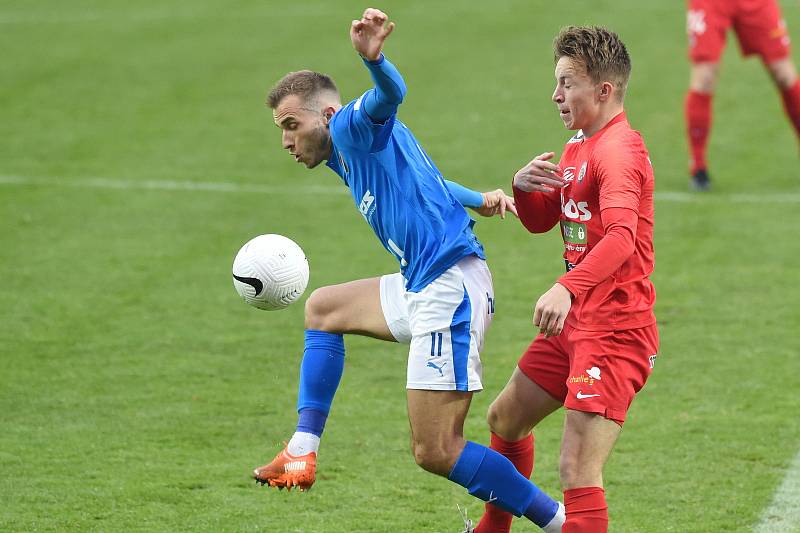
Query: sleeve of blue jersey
point(382, 102)
point(466, 197)
point(366, 124)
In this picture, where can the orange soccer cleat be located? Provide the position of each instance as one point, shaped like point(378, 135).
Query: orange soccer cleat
point(289, 471)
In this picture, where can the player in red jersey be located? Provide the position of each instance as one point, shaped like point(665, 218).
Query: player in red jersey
point(598, 337)
point(761, 30)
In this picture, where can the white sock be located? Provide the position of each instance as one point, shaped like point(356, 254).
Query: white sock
point(302, 444)
point(554, 525)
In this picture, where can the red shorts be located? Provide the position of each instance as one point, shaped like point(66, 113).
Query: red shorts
point(593, 371)
point(758, 24)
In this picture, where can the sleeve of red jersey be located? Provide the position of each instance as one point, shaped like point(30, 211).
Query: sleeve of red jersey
point(538, 211)
point(616, 246)
point(619, 174)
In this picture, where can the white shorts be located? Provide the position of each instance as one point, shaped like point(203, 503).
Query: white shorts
point(444, 324)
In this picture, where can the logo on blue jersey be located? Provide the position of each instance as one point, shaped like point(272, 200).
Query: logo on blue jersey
point(367, 205)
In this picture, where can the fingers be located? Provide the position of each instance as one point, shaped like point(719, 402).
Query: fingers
point(377, 18)
point(511, 206)
point(539, 175)
point(389, 29)
point(374, 14)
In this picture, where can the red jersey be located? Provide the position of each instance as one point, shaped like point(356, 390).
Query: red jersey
point(608, 176)
point(758, 24)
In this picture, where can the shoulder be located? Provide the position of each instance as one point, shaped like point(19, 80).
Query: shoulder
point(620, 146)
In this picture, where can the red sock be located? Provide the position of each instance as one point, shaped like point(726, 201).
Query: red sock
point(791, 103)
point(587, 511)
point(495, 520)
point(698, 126)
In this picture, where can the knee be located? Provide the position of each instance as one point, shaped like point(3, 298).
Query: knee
point(498, 423)
point(504, 424)
point(703, 78)
point(435, 457)
point(783, 73)
point(320, 310)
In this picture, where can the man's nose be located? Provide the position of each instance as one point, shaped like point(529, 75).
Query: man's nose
point(287, 140)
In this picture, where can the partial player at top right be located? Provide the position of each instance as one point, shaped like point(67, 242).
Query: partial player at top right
point(761, 30)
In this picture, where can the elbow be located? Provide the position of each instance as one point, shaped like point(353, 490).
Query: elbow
point(537, 228)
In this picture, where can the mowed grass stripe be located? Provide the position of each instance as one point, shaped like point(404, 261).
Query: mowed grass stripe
point(232, 187)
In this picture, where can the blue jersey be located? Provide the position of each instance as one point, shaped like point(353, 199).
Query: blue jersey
point(401, 194)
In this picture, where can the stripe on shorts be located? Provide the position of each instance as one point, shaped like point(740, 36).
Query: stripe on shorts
point(460, 340)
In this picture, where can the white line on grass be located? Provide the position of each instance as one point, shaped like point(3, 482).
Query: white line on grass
point(232, 187)
point(171, 185)
point(783, 514)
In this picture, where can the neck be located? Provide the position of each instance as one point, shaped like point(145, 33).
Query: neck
point(605, 116)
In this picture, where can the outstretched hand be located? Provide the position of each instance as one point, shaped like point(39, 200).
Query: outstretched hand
point(369, 33)
point(496, 202)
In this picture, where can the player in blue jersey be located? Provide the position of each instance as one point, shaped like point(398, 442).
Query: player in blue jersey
point(441, 301)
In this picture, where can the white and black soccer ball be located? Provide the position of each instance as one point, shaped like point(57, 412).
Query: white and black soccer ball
point(270, 272)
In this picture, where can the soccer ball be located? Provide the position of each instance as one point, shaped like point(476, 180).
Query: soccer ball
point(270, 272)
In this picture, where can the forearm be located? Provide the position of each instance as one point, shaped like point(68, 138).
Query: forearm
point(466, 197)
point(536, 212)
point(381, 102)
point(616, 246)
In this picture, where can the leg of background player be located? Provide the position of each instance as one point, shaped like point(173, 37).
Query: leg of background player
point(784, 74)
point(702, 83)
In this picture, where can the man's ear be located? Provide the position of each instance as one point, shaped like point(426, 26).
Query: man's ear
point(606, 88)
point(327, 114)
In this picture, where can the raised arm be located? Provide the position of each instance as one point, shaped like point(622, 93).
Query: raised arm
point(368, 36)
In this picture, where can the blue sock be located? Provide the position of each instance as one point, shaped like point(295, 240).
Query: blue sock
point(320, 372)
point(489, 476)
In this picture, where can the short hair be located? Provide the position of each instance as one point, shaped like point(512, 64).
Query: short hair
point(600, 51)
point(305, 83)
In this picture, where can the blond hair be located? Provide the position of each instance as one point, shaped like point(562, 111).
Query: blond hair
point(599, 50)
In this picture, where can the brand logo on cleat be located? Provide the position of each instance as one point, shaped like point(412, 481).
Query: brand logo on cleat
point(294, 466)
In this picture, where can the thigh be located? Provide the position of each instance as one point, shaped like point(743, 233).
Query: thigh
point(520, 406)
point(761, 30)
point(607, 369)
point(447, 323)
point(546, 363)
point(353, 307)
point(707, 21)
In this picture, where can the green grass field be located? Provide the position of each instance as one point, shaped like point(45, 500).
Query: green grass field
point(137, 391)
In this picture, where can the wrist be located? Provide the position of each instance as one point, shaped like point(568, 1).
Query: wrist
point(564, 289)
point(377, 60)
